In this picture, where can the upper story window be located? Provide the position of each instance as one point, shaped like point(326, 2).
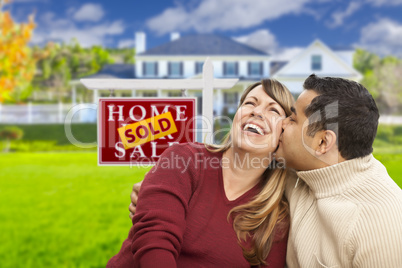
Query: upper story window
point(198, 67)
point(175, 68)
point(316, 62)
point(150, 68)
point(230, 68)
point(255, 68)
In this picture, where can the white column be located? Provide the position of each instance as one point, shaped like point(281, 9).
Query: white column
point(207, 101)
point(74, 95)
point(133, 93)
point(219, 102)
point(95, 96)
point(159, 94)
point(29, 112)
point(1, 107)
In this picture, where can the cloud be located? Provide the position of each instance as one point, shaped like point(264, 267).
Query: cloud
point(383, 37)
point(126, 43)
point(89, 12)
point(385, 2)
point(212, 15)
point(339, 16)
point(266, 41)
point(52, 28)
point(263, 40)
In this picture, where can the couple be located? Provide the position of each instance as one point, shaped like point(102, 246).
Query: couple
point(342, 208)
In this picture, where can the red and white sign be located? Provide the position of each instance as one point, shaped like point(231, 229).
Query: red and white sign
point(136, 131)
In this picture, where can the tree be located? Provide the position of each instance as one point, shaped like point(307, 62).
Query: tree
point(388, 85)
point(365, 61)
point(383, 78)
point(65, 62)
point(17, 62)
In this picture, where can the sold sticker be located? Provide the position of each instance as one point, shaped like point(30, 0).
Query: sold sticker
point(147, 130)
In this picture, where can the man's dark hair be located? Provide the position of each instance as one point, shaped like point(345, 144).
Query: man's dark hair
point(347, 108)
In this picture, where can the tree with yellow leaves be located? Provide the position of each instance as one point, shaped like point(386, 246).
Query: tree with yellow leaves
point(17, 64)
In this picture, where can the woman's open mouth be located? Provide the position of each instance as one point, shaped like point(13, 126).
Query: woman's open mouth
point(253, 129)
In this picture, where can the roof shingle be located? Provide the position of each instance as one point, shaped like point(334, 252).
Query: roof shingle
point(203, 44)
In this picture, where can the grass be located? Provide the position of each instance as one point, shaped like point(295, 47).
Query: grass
point(62, 210)
point(393, 164)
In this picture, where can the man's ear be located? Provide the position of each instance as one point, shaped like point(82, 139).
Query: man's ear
point(326, 141)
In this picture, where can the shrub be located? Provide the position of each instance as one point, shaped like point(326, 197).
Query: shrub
point(11, 133)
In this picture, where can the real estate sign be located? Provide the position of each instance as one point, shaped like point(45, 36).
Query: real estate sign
point(136, 131)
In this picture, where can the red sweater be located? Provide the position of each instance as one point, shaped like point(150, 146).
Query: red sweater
point(181, 218)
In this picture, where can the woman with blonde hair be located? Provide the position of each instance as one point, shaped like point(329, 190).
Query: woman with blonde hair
point(217, 206)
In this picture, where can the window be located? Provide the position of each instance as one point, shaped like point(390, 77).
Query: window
point(150, 94)
point(230, 97)
point(316, 62)
point(230, 68)
point(198, 67)
point(199, 102)
point(150, 69)
point(255, 68)
point(175, 69)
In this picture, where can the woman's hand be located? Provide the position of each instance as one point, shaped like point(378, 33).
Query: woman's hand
point(134, 198)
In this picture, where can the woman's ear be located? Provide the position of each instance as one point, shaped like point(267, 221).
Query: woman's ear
point(326, 141)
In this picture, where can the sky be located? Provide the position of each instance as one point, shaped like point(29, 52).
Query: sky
point(280, 27)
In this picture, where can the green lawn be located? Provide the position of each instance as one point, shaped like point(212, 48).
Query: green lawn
point(62, 210)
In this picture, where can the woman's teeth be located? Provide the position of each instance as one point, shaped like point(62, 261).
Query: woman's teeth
point(253, 128)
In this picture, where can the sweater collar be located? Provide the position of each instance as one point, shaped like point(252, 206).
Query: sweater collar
point(336, 179)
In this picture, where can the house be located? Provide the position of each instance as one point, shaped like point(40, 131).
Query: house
point(183, 57)
point(317, 58)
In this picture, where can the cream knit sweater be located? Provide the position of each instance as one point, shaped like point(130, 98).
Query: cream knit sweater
point(345, 215)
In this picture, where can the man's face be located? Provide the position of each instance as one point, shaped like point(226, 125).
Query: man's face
point(295, 145)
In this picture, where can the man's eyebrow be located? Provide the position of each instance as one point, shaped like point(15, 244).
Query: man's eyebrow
point(293, 110)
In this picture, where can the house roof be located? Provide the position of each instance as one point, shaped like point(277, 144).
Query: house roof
point(276, 66)
point(283, 71)
point(203, 44)
point(115, 71)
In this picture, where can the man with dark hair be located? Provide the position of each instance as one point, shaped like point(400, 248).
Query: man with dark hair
point(345, 209)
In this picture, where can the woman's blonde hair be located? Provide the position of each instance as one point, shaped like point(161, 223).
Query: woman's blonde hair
point(267, 213)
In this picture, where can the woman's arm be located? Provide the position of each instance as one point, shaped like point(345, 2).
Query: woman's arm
point(160, 218)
